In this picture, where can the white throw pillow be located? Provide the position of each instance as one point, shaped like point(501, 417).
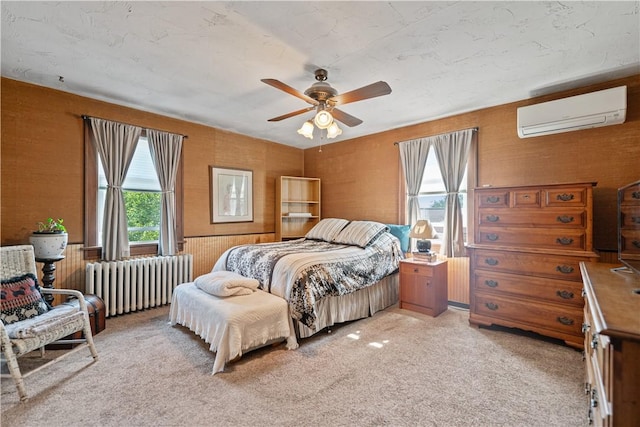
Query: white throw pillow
point(360, 233)
point(327, 229)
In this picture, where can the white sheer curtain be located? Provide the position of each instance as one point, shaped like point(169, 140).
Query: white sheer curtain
point(165, 151)
point(413, 157)
point(452, 152)
point(115, 144)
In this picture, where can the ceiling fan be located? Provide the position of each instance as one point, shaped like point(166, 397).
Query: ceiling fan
point(325, 98)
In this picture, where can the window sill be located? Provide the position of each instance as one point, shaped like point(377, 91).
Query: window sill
point(140, 249)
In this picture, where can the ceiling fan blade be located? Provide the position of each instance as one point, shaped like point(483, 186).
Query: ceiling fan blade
point(371, 91)
point(345, 118)
point(294, 113)
point(291, 91)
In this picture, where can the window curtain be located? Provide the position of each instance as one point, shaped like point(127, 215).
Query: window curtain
point(413, 157)
point(165, 151)
point(115, 144)
point(452, 152)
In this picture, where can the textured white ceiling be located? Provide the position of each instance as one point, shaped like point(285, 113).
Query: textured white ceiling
point(203, 61)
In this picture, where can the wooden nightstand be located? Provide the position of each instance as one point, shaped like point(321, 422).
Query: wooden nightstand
point(423, 286)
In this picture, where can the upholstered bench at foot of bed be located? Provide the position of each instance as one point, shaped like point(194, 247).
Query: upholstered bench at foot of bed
point(232, 325)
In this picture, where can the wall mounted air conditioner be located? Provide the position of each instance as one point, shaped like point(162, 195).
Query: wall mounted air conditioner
point(595, 109)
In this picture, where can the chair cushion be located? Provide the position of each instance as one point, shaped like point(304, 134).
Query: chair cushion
point(57, 318)
point(21, 299)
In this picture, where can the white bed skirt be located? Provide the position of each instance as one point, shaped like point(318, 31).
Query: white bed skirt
point(357, 305)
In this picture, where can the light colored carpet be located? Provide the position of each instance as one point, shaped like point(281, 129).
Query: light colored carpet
point(396, 368)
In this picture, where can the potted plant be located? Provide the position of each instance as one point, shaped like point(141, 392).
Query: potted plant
point(50, 240)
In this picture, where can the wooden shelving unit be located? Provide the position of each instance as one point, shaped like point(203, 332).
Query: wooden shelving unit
point(297, 206)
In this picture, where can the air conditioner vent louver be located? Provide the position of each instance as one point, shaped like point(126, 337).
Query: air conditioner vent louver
point(601, 108)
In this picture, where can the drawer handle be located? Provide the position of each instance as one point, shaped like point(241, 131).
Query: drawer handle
point(594, 398)
point(594, 342)
point(585, 328)
point(565, 269)
point(635, 219)
point(493, 199)
point(565, 320)
point(635, 195)
point(564, 240)
point(583, 293)
point(491, 306)
point(565, 197)
point(493, 218)
point(565, 219)
point(636, 243)
point(565, 294)
point(492, 236)
point(415, 270)
point(587, 386)
point(491, 261)
point(491, 283)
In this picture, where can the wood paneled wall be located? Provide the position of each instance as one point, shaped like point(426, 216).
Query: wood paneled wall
point(42, 168)
point(362, 179)
point(70, 272)
point(43, 171)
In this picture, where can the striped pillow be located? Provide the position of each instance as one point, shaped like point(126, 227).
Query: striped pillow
point(360, 233)
point(327, 229)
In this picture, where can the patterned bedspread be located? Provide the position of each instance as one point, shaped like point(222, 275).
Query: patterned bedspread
point(304, 271)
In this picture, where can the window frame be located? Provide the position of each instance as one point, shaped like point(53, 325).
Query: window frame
point(443, 193)
point(472, 184)
point(92, 248)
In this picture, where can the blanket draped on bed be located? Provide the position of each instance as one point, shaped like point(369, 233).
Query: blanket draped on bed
point(304, 271)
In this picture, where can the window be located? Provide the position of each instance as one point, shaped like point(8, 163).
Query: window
point(433, 194)
point(141, 191)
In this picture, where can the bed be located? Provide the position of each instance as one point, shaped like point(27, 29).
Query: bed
point(341, 271)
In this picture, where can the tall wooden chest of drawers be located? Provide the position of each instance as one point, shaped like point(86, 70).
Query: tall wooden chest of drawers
point(629, 222)
point(525, 259)
point(611, 345)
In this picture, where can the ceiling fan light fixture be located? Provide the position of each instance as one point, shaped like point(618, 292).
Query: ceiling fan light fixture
point(323, 119)
point(307, 129)
point(333, 130)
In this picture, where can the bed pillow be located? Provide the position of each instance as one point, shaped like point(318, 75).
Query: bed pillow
point(21, 299)
point(360, 233)
point(402, 233)
point(226, 284)
point(327, 229)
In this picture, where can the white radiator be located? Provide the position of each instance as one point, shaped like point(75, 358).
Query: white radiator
point(137, 284)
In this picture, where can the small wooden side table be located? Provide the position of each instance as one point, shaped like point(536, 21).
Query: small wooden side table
point(48, 276)
point(423, 286)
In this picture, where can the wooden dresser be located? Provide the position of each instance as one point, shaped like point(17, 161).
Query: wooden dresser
point(525, 259)
point(612, 345)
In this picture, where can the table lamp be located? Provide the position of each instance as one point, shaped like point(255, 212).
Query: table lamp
point(423, 230)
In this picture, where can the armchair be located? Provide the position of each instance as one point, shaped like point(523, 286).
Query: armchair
point(19, 337)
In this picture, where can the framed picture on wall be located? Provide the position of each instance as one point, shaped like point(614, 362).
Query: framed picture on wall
point(231, 195)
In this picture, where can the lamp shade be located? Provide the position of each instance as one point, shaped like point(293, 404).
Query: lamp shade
point(307, 129)
point(423, 230)
point(333, 130)
point(323, 119)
